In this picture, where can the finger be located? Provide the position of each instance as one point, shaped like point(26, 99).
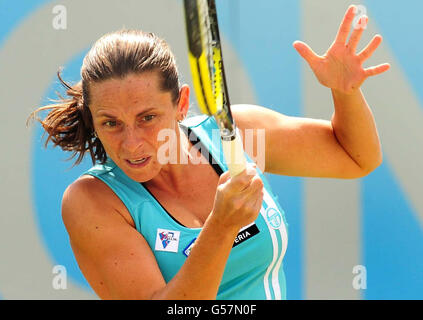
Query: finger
point(257, 203)
point(224, 177)
point(345, 27)
point(357, 33)
point(374, 71)
point(367, 52)
point(243, 180)
point(255, 190)
point(256, 183)
point(306, 52)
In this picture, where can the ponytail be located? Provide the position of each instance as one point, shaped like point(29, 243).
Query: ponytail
point(69, 125)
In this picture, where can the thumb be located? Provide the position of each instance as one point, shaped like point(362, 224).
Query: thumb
point(305, 51)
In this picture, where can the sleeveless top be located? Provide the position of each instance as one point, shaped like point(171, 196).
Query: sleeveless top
point(254, 268)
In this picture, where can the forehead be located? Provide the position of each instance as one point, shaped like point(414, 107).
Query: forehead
point(133, 89)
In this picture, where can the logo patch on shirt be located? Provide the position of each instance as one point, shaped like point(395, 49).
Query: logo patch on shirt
point(188, 248)
point(167, 240)
point(274, 218)
point(246, 233)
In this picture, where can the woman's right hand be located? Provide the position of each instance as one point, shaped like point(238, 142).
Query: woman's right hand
point(238, 199)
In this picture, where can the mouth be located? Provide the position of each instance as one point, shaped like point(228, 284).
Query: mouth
point(137, 163)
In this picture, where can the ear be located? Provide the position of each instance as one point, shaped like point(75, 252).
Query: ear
point(183, 102)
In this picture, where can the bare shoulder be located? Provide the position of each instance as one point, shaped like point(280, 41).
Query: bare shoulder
point(113, 256)
point(89, 198)
point(85, 188)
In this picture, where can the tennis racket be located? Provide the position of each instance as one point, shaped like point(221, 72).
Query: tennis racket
point(208, 75)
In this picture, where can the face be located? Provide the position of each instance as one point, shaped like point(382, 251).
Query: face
point(128, 115)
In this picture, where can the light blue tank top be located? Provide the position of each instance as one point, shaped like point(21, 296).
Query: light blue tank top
point(254, 270)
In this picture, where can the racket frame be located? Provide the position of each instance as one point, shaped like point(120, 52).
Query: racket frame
point(206, 61)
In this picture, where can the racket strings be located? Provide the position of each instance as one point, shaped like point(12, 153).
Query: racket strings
point(210, 36)
point(207, 62)
point(206, 34)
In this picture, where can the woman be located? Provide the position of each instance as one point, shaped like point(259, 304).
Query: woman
point(142, 228)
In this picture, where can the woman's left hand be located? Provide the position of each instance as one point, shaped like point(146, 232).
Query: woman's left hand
point(341, 68)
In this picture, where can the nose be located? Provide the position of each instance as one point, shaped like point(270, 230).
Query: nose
point(132, 140)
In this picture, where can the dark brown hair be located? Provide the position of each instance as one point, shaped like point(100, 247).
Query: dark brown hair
point(115, 55)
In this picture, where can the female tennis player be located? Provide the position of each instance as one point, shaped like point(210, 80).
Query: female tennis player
point(144, 228)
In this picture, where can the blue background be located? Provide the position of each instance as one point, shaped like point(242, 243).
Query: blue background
point(391, 236)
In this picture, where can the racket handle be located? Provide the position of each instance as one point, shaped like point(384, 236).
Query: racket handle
point(234, 155)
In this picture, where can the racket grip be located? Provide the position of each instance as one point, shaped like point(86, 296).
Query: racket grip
point(234, 155)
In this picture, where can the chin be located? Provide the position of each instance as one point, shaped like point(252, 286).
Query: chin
point(141, 175)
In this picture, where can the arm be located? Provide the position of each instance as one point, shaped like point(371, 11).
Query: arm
point(355, 130)
point(295, 146)
point(118, 262)
point(341, 70)
point(346, 147)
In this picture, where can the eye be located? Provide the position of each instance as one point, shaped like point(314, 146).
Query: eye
point(110, 123)
point(148, 117)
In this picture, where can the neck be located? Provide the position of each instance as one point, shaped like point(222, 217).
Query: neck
point(174, 177)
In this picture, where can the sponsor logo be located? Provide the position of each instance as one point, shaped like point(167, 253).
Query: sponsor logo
point(274, 218)
point(167, 240)
point(246, 233)
point(188, 248)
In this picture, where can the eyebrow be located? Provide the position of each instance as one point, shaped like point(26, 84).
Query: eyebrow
point(106, 115)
